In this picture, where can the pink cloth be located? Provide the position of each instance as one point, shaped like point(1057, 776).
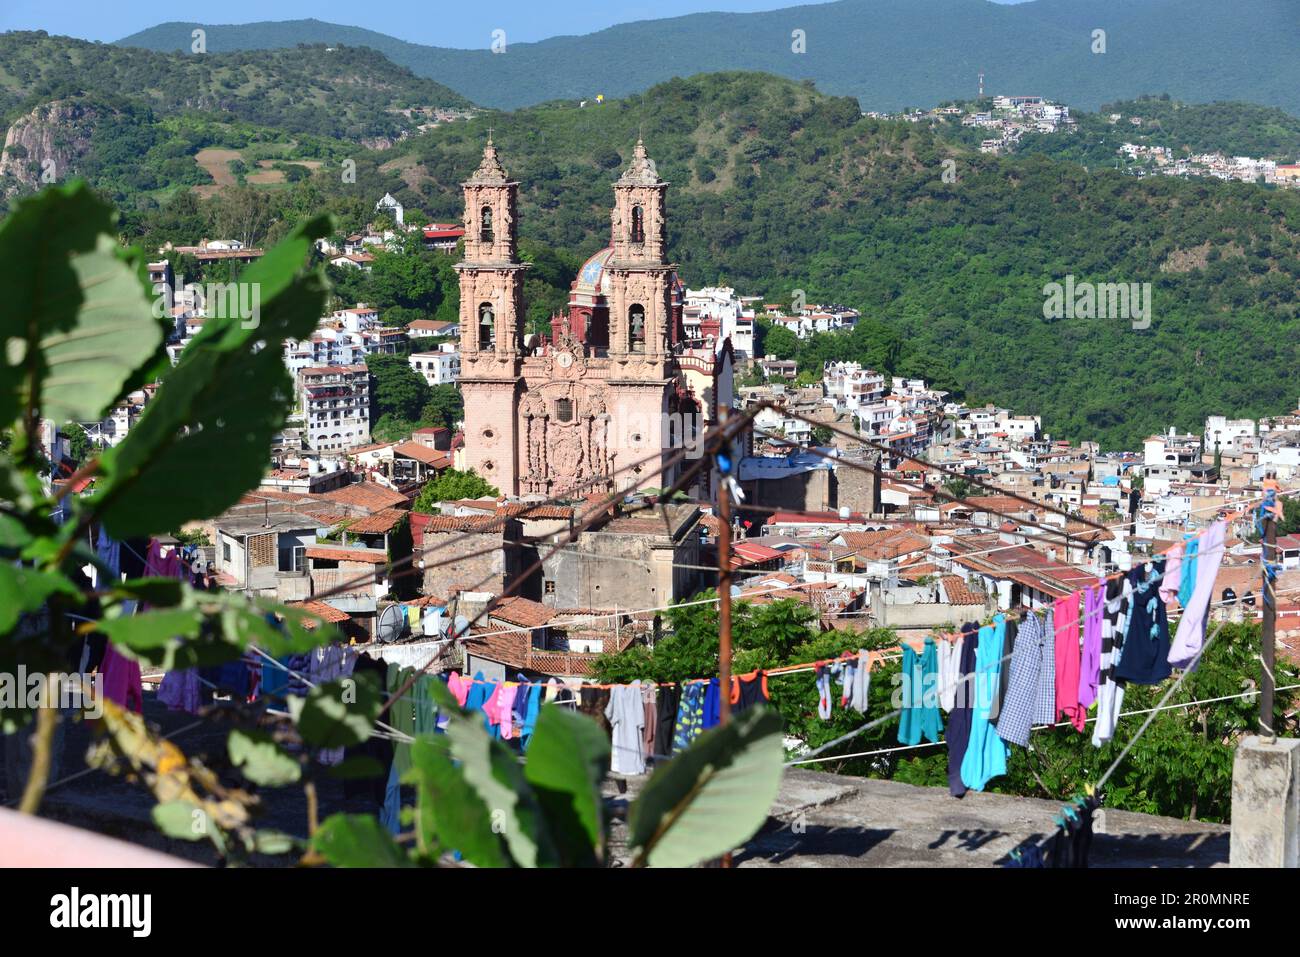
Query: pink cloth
point(459, 685)
point(1094, 604)
point(1190, 637)
point(1173, 573)
point(122, 684)
point(1065, 614)
point(498, 707)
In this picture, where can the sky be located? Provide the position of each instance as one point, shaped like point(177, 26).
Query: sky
point(450, 23)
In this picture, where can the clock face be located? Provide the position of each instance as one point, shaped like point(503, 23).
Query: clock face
point(564, 360)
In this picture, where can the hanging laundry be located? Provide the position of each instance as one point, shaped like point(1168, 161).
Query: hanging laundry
point(861, 684)
point(626, 714)
point(668, 703)
point(109, 552)
point(1094, 607)
point(1190, 637)
point(479, 692)
point(1008, 649)
point(122, 684)
point(986, 753)
point(1145, 659)
point(1110, 690)
point(1173, 580)
point(180, 690)
point(949, 653)
point(751, 689)
point(1187, 576)
point(401, 716)
point(649, 703)
point(592, 702)
point(959, 716)
point(1065, 611)
point(823, 684)
point(1033, 671)
point(459, 685)
point(690, 715)
point(712, 705)
point(532, 708)
point(497, 709)
point(920, 717)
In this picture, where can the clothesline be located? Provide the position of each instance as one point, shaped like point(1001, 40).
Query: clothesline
point(1038, 727)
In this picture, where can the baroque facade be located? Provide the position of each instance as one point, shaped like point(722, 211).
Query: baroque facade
point(614, 391)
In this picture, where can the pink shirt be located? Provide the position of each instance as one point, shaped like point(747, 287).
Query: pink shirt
point(1065, 614)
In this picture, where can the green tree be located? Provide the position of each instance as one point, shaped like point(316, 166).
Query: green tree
point(399, 390)
point(452, 485)
point(446, 406)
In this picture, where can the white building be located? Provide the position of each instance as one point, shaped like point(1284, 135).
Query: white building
point(715, 312)
point(849, 386)
point(335, 404)
point(438, 368)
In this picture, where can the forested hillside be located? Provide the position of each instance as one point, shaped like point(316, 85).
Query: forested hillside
point(345, 92)
point(777, 187)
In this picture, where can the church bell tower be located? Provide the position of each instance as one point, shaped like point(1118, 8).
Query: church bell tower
point(491, 324)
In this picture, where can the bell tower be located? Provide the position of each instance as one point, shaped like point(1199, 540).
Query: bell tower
point(491, 325)
point(641, 276)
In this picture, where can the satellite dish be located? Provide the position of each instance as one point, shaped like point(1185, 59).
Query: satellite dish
point(392, 623)
point(459, 627)
point(735, 591)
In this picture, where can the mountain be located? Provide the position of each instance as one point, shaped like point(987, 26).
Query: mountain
point(886, 53)
point(347, 93)
point(778, 187)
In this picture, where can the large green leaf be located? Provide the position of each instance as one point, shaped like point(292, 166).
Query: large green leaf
point(711, 797)
point(449, 813)
point(217, 411)
point(25, 589)
point(261, 760)
point(567, 759)
point(357, 840)
point(494, 773)
point(77, 324)
point(115, 334)
point(338, 713)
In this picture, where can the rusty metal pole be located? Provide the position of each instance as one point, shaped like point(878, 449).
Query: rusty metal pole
point(1268, 631)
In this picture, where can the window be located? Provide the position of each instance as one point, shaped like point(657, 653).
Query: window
point(487, 327)
point(548, 587)
point(638, 225)
point(636, 327)
point(564, 410)
point(485, 224)
point(225, 552)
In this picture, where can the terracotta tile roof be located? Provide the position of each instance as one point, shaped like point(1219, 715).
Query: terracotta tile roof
point(524, 612)
point(459, 523)
point(367, 495)
point(890, 543)
point(422, 453)
point(327, 613)
point(751, 553)
point(326, 516)
point(958, 593)
point(369, 556)
point(380, 523)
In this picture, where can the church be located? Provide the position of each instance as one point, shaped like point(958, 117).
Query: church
point(616, 389)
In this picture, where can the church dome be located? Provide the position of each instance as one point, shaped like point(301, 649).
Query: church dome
point(592, 278)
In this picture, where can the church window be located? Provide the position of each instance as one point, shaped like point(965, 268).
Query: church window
point(485, 224)
point(564, 410)
point(638, 224)
point(487, 327)
point(636, 327)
